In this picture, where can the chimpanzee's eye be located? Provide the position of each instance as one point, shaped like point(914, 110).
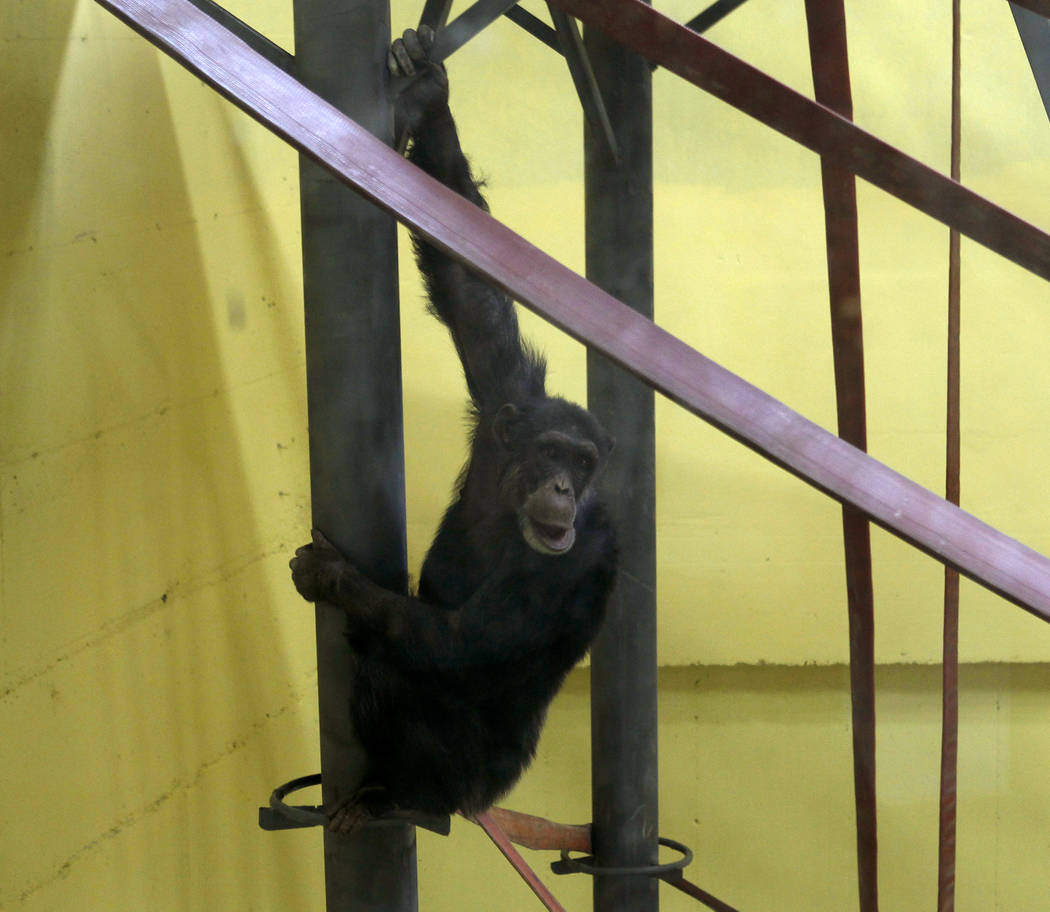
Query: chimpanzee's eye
point(584, 462)
point(548, 451)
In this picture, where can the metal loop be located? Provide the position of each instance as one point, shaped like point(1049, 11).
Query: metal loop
point(569, 865)
point(301, 815)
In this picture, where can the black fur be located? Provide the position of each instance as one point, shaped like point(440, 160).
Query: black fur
point(452, 685)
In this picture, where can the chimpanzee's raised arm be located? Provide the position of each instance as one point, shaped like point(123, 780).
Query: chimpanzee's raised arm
point(498, 365)
point(422, 109)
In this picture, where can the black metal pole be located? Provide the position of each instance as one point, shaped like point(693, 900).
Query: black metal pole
point(623, 661)
point(356, 442)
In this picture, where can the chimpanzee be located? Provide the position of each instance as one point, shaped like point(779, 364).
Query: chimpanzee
point(452, 685)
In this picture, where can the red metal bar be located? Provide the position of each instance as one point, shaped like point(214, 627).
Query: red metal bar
point(539, 833)
point(588, 314)
point(691, 889)
point(492, 829)
point(826, 22)
point(693, 57)
point(950, 662)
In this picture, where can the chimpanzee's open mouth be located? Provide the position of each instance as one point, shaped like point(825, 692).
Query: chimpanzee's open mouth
point(548, 538)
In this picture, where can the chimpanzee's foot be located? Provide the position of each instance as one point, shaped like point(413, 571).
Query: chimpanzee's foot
point(347, 818)
point(367, 803)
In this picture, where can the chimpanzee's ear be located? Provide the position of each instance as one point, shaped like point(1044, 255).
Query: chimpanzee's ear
point(503, 425)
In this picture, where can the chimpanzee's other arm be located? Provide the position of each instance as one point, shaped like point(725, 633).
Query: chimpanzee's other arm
point(499, 368)
point(407, 631)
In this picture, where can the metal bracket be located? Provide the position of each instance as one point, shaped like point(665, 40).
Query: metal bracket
point(710, 17)
point(534, 26)
point(714, 14)
point(465, 26)
point(571, 44)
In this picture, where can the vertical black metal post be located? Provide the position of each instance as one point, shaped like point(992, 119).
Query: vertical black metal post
point(623, 663)
point(356, 441)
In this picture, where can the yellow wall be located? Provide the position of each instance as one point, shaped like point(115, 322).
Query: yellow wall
point(156, 669)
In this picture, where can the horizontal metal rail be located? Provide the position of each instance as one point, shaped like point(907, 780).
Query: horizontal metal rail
point(841, 143)
point(709, 391)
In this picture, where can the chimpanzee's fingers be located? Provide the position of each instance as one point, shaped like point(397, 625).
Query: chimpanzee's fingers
point(404, 62)
point(426, 36)
point(414, 46)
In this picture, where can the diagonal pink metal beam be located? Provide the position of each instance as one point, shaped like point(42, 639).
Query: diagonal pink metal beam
point(709, 391)
point(840, 142)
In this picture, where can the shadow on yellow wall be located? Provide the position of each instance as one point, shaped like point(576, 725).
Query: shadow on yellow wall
point(141, 652)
